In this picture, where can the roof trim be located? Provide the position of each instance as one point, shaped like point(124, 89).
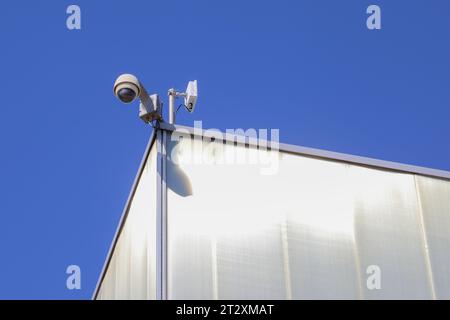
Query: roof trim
point(312, 152)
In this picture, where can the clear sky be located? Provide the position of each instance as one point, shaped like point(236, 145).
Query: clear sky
point(70, 150)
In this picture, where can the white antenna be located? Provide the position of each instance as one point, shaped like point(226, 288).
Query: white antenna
point(190, 99)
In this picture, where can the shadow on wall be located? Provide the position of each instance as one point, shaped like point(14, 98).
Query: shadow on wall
point(177, 179)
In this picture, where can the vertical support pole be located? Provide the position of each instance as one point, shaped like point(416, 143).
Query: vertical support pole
point(172, 111)
point(161, 216)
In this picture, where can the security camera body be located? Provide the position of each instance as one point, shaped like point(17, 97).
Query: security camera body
point(191, 96)
point(127, 88)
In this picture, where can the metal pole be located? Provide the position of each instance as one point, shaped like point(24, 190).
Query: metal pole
point(172, 111)
point(161, 216)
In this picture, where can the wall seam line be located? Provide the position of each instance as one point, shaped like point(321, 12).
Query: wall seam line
point(425, 240)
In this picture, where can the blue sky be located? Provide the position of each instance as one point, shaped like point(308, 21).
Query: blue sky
point(311, 68)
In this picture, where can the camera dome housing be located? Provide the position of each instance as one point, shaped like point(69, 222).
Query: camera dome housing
point(127, 88)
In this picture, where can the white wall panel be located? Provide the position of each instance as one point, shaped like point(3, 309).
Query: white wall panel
point(318, 202)
point(241, 255)
point(389, 234)
point(132, 270)
point(435, 203)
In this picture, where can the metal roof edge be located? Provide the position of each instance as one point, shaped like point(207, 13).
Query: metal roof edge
point(311, 152)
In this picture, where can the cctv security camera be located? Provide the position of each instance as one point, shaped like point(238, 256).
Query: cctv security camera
point(127, 87)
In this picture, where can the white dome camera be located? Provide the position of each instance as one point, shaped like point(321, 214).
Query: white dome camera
point(127, 87)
